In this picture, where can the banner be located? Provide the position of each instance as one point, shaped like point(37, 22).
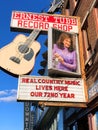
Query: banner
point(43, 21)
point(37, 88)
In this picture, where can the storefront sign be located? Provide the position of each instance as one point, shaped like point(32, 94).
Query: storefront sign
point(93, 91)
point(43, 21)
point(50, 89)
point(26, 115)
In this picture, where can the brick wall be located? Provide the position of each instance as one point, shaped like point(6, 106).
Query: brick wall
point(81, 10)
point(91, 29)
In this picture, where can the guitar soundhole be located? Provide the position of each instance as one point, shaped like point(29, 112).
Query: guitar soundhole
point(15, 59)
point(23, 49)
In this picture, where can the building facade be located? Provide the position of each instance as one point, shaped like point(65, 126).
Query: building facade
point(73, 118)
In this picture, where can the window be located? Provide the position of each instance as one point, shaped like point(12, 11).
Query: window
point(53, 126)
point(76, 1)
point(96, 17)
point(83, 124)
point(74, 126)
point(60, 120)
point(93, 121)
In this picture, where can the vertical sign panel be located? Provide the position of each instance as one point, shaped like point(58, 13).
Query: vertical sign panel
point(27, 115)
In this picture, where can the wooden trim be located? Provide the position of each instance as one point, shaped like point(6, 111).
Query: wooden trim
point(63, 104)
point(82, 63)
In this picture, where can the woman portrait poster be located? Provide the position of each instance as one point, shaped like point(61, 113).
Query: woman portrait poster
point(64, 53)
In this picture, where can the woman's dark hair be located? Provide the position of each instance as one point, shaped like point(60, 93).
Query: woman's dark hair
point(60, 43)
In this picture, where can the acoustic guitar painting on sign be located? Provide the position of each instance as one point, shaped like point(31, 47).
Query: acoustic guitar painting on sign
point(18, 57)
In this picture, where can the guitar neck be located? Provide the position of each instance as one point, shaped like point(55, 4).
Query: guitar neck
point(35, 33)
point(32, 36)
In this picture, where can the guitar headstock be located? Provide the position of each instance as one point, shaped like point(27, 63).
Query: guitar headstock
point(55, 4)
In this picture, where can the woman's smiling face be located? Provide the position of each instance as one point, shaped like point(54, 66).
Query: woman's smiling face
point(67, 42)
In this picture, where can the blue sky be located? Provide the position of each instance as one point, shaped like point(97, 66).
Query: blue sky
point(11, 111)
